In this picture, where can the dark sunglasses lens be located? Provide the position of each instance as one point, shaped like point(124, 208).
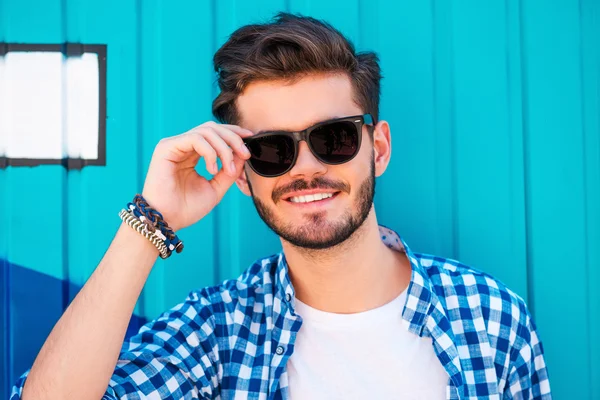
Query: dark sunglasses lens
point(336, 142)
point(271, 155)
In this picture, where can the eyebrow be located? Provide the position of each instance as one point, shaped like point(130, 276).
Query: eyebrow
point(291, 131)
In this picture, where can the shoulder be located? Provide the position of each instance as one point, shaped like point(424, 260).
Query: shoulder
point(211, 312)
point(487, 321)
point(250, 289)
point(469, 296)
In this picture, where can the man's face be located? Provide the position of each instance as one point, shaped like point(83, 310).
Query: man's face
point(277, 105)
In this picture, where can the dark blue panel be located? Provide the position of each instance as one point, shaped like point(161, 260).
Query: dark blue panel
point(4, 347)
point(36, 308)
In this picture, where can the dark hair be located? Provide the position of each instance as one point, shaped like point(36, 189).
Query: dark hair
point(290, 47)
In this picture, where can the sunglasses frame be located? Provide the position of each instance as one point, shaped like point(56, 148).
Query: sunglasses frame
point(358, 120)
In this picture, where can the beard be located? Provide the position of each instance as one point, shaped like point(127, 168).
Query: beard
point(318, 232)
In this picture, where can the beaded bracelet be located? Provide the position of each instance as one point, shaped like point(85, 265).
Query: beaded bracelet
point(141, 228)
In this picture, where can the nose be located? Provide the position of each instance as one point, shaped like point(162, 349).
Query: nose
point(307, 164)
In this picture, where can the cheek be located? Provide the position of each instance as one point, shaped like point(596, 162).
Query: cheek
point(366, 147)
point(261, 187)
point(361, 164)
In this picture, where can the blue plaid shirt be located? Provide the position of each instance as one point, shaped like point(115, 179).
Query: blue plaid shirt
point(234, 340)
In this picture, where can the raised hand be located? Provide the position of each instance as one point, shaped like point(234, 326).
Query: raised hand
point(176, 190)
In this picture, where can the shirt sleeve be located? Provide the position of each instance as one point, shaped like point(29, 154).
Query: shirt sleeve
point(172, 357)
point(528, 375)
point(15, 393)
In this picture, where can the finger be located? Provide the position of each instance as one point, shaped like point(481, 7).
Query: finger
point(234, 141)
point(222, 181)
point(243, 132)
point(223, 150)
point(203, 148)
point(182, 147)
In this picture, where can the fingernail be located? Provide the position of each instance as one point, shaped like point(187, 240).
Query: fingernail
point(245, 149)
point(232, 167)
point(215, 168)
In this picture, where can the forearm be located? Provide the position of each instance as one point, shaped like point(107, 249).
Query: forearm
point(79, 356)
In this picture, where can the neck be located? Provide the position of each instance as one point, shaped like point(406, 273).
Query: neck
point(357, 275)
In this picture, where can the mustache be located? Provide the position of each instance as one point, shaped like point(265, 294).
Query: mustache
point(317, 183)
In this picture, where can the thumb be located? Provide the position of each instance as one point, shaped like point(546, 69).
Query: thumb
point(222, 181)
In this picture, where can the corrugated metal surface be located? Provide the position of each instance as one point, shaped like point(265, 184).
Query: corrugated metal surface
point(494, 108)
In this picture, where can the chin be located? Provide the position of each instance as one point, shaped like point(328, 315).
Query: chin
point(319, 233)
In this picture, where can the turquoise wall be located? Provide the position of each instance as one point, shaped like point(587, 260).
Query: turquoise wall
point(494, 108)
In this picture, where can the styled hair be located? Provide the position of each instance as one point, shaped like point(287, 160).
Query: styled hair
point(289, 48)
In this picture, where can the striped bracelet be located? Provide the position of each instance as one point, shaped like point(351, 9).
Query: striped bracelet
point(142, 229)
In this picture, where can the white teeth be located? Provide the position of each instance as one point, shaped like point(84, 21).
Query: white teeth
point(310, 197)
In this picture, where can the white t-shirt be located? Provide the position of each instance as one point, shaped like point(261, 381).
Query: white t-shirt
point(367, 355)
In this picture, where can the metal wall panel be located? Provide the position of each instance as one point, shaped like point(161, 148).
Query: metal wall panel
point(494, 108)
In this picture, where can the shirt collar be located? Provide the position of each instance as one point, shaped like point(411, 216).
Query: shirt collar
point(419, 299)
point(284, 288)
point(419, 296)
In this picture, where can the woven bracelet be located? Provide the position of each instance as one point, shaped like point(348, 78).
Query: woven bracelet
point(142, 229)
point(156, 223)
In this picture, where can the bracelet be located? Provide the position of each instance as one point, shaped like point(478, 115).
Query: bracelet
point(141, 228)
point(155, 223)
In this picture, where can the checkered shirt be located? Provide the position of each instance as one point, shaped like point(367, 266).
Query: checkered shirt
point(234, 340)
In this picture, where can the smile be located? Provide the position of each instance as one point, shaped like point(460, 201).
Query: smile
point(310, 198)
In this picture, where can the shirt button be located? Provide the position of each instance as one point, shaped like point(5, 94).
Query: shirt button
point(280, 350)
point(288, 297)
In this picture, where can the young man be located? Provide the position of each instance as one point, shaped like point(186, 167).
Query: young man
point(345, 311)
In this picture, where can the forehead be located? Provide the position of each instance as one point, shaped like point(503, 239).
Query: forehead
point(275, 105)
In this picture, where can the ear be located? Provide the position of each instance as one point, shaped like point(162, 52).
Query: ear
point(382, 147)
point(242, 182)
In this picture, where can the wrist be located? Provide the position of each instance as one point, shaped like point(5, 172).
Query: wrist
point(167, 215)
point(150, 223)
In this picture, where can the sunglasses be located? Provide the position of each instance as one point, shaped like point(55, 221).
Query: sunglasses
point(336, 141)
